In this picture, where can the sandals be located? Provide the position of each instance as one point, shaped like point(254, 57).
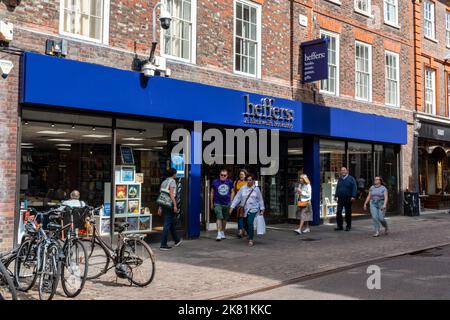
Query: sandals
point(250, 243)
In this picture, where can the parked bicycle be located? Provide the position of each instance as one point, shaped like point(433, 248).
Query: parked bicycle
point(7, 286)
point(42, 255)
point(132, 259)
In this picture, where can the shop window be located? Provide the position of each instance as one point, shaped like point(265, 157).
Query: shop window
point(179, 41)
point(294, 170)
point(85, 19)
point(363, 71)
point(331, 85)
point(392, 86)
point(247, 38)
point(386, 161)
point(360, 167)
point(428, 19)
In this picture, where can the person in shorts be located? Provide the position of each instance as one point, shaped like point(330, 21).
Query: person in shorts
point(221, 194)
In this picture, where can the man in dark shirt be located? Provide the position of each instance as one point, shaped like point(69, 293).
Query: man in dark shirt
point(345, 195)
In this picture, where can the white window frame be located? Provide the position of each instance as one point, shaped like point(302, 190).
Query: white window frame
point(432, 20)
point(258, 39)
point(336, 36)
point(433, 90)
point(397, 57)
point(369, 8)
point(193, 40)
point(447, 28)
point(369, 98)
point(391, 23)
point(105, 25)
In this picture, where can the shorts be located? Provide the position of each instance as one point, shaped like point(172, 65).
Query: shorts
point(222, 211)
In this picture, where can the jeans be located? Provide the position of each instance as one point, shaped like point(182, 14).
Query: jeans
point(344, 202)
point(169, 226)
point(377, 214)
point(240, 222)
point(248, 224)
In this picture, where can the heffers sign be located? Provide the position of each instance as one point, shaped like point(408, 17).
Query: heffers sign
point(267, 114)
point(315, 60)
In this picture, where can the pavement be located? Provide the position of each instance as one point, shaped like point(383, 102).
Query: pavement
point(206, 269)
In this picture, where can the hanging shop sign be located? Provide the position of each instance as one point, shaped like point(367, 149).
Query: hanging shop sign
point(267, 114)
point(315, 60)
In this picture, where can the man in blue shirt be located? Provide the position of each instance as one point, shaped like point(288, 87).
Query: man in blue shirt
point(345, 195)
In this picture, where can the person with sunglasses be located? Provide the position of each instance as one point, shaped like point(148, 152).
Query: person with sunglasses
point(378, 198)
point(249, 197)
point(221, 194)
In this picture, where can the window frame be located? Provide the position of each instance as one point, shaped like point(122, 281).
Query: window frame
point(258, 8)
point(337, 37)
point(433, 82)
point(105, 25)
point(369, 8)
point(369, 46)
point(447, 28)
point(397, 57)
point(193, 40)
point(447, 78)
point(391, 23)
point(433, 21)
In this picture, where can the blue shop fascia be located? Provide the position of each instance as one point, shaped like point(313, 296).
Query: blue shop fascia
point(139, 114)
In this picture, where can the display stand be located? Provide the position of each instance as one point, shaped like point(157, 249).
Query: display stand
point(127, 203)
point(329, 205)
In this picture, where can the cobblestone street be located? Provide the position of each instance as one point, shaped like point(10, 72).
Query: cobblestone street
point(206, 269)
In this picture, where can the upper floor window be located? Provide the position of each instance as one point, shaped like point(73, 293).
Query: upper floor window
point(392, 79)
point(428, 19)
point(247, 38)
point(447, 28)
point(430, 91)
point(85, 19)
point(179, 40)
point(391, 12)
point(363, 6)
point(363, 85)
point(331, 85)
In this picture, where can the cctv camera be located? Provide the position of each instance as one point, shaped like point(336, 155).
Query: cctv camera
point(148, 69)
point(5, 67)
point(165, 19)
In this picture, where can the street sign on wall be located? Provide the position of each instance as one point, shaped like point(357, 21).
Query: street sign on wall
point(315, 60)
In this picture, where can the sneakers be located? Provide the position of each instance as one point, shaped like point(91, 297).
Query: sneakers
point(306, 230)
point(165, 248)
point(222, 235)
point(219, 237)
point(298, 231)
point(386, 230)
point(377, 234)
point(177, 244)
point(250, 243)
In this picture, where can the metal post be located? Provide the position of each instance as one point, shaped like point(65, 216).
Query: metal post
point(113, 179)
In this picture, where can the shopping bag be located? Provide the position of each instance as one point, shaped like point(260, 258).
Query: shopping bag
point(260, 225)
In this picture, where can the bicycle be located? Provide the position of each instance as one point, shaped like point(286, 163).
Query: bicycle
point(132, 259)
point(7, 287)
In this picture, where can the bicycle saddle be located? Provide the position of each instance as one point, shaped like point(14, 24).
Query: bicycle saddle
point(121, 226)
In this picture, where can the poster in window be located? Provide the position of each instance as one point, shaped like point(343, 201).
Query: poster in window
point(127, 155)
point(133, 191)
point(127, 174)
point(121, 191)
point(133, 206)
point(139, 178)
point(121, 207)
point(144, 223)
point(105, 226)
point(134, 224)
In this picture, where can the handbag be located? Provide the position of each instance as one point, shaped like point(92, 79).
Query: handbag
point(241, 209)
point(302, 204)
point(164, 199)
point(260, 225)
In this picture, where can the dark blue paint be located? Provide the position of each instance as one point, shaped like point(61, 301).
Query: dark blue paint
point(315, 60)
point(194, 210)
point(311, 158)
point(59, 82)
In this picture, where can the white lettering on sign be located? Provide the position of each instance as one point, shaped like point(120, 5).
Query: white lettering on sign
point(314, 56)
point(440, 132)
point(303, 20)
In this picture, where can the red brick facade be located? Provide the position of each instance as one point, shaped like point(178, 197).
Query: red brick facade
point(130, 34)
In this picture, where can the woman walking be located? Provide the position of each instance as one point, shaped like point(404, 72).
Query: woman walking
point(237, 185)
point(304, 209)
point(378, 198)
point(249, 197)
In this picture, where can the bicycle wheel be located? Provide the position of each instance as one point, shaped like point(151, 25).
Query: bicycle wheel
point(74, 268)
point(26, 265)
point(98, 258)
point(50, 273)
point(7, 289)
point(138, 256)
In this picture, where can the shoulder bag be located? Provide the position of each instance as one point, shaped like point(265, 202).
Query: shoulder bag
point(241, 209)
point(302, 204)
point(164, 199)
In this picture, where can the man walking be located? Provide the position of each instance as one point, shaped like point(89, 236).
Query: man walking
point(345, 194)
point(221, 194)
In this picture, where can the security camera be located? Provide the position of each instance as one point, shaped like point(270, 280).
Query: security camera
point(5, 68)
point(165, 19)
point(148, 69)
